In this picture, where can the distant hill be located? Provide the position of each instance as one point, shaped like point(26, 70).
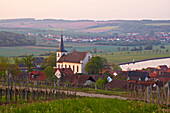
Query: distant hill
point(13, 39)
point(90, 26)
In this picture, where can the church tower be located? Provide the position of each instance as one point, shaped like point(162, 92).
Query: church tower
point(60, 52)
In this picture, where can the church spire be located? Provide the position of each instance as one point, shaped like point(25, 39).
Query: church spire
point(61, 46)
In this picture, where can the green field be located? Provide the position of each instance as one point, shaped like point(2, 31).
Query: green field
point(21, 50)
point(159, 24)
point(109, 52)
point(121, 57)
point(85, 105)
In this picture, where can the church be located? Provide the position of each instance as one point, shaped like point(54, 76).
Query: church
point(75, 60)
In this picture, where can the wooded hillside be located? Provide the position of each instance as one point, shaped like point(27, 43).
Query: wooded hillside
point(13, 39)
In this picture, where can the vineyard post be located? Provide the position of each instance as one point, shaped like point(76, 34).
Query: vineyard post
point(16, 92)
point(159, 97)
point(63, 89)
point(23, 88)
point(151, 93)
point(127, 90)
point(20, 93)
point(148, 95)
point(11, 92)
point(46, 90)
point(70, 91)
point(31, 89)
point(54, 90)
point(8, 85)
point(168, 93)
point(40, 88)
point(37, 88)
point(58, 89)
point(26, 87)
point(165, 95)
point(67, 90)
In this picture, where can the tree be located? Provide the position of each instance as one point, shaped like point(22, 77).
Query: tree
point(140, 47)
point(100, 83)
point(95, 50)
point(107, 73)
point(127, 48)
point(117, 68)
point(4, 64)
point(28, 62)
point(148, 47)
point(51, 60)
point(49, 73)
point(17, 61)
point(105, 81)
point(123, 78)
point(104, 60)
point(162, 47)
point(118, 48)
point(94, 66)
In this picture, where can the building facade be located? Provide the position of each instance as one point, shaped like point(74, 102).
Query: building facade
point(75, 60)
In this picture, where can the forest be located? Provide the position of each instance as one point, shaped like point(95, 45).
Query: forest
point(14, 39)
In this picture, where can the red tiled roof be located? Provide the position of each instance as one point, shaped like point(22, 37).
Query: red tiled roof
point(132, 81)
point(66, 71)
point(147, 83)
point(153, 75)
point(116, 83)
point(74, 57)
point(168, 70)
point(96, 77)
point(69, 78)
point(37, 74)
point(163, 79)
point(82, 79)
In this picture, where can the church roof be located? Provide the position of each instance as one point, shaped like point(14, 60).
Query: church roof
point(61, 46)
point(74, 57)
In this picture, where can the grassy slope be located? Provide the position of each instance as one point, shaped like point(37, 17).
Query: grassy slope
point(87, 105)
point(117, 57)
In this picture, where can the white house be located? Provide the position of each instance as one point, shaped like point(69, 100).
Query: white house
point(75, 60)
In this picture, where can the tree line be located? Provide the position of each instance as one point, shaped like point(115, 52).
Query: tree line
point(14, 39)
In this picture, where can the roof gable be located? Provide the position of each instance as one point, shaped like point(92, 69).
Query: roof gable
point(74, 57)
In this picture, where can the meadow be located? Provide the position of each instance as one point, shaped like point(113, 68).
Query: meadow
point(107, 51)
point(121, 57)
point(83, 105)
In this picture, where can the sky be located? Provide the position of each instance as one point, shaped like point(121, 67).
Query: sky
point(85, 9)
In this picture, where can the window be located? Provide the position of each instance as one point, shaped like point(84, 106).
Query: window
point(65, 66)
point(88, 58)
point(73, 68)
point(58, 65)
point(69, 66)
point(58, 55)
point(77, 69)
point(61, 66)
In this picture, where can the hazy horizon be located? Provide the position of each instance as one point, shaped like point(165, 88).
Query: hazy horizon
point(86, 10)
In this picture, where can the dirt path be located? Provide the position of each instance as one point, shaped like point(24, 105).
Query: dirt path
point(99, 95)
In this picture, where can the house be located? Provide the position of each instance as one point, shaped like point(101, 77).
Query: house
point(96, 77)
point(146, 83)
point(116, 83)
point(69, 79)
point(37, 62)
point(138, 75)
point(168, 70)
point(64, 71)
point(163, 68)
point(34, 75)
point(23, 68)
point(75, 60)
point(83, 80)
point(114, 73)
